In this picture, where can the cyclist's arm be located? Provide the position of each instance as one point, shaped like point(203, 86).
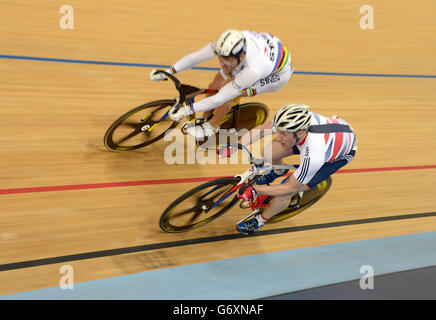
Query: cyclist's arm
point(257, 133)
point(299, 180)
point(192, 59)
point(231, 90)
point(289, 188)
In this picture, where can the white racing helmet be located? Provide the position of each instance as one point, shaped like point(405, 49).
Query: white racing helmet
point(231, 43)
point(292, 117)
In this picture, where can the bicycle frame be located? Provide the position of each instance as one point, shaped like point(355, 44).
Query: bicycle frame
point(154, 124)
point(187, 95)
point(257, 169)
point(213, 193)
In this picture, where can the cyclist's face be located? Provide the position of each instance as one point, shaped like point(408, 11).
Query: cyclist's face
point(289, 139)
point(228, 63)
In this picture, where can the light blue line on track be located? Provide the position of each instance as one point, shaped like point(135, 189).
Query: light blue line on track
point(128, 64)
point(258, 276)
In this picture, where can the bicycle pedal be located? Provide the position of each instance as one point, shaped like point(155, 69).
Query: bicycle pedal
point(295, 200)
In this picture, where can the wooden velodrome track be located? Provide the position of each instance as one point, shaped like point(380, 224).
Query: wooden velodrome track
point(54, 116)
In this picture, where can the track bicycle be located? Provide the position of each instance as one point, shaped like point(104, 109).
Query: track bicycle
point(149, 122)
point(212, 199)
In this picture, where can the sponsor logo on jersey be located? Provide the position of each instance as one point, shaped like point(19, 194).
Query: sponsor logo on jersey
point(270, 79)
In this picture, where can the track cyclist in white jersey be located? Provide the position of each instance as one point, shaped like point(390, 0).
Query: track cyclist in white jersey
point(324, 144)
point(251, 63)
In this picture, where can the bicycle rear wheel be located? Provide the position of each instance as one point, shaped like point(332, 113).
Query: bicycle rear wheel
point(139, 127)
point(308, 199)
point(250, 115)
point(199, 206)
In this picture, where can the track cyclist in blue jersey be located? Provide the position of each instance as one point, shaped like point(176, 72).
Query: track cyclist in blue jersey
point(324, 144)
point(251, 63)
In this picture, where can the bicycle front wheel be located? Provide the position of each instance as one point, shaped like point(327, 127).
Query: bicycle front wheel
point(200, 205)
point(139, 127)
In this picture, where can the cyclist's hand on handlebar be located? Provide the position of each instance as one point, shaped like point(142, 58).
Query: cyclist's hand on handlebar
point(157, 76)
point(226, 151)
point(181, 113)
point(248, 194)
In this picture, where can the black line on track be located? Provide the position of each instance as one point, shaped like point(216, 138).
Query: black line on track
point(171, 244)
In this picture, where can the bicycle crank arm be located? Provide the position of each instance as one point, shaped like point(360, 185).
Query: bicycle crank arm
point(249, 216)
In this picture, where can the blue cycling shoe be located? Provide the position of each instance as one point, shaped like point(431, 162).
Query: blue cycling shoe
point(270, 177)
point(248, 227)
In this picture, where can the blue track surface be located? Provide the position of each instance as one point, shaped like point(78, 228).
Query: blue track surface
point(258, 276)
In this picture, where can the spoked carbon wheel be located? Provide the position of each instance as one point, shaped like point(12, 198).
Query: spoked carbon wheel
point(298, 205)
point(139, 127)
point(199, 206)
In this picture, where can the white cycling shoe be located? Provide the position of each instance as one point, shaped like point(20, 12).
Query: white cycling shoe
point(201, 131)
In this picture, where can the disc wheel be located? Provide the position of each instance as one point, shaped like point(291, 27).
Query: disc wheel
point(198, 206)
point(309, 198)
point(251, 115)
point(139, 127)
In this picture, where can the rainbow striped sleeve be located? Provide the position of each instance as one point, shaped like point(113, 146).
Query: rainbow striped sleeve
point(282, 59)
point(251, 92)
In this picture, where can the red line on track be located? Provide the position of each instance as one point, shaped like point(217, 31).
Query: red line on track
point(387, 169)
point(170, 181)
